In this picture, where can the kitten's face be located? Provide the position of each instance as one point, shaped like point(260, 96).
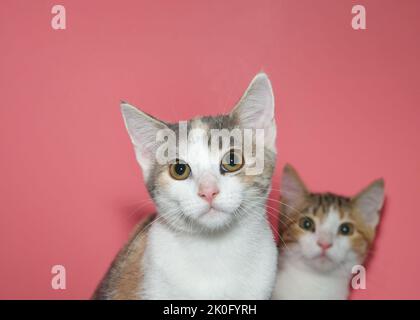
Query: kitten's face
point(328, 231)
point(207, 189)
point(328, 235)
point(212, 193)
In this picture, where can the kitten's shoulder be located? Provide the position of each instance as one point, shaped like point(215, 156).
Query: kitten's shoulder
point(125, 275)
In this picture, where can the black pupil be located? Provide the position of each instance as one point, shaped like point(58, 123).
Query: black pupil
point(307, 224)
point(232, 159)
point(345, 229)
point(180, 168)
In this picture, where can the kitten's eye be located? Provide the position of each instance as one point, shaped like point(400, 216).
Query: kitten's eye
point(307, 223)
point(179, 170)
point(232, 161)
point(346, 229)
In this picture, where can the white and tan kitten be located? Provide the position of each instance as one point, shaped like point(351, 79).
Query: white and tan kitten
point(324, 236)
point(211, 238)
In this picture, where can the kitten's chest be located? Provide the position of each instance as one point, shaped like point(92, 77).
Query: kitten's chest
point(224, 268)
point(293, 283)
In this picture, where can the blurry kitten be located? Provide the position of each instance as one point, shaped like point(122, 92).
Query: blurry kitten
point(324, 236)
point(211, 238)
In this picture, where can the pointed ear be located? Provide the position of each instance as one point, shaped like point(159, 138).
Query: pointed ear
point(142, 129)
point(369, 202)
point(293, 189)
point(255, 110)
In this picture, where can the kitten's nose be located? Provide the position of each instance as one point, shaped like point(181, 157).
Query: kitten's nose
point(208, 192)
point(324, 245)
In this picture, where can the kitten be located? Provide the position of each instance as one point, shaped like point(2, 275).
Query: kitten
point(324, 236)
point(211, 238)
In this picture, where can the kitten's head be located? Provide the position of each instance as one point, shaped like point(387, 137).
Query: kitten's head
point(328, 231)
point(209, 185)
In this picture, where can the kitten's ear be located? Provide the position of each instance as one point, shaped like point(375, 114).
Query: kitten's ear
point(369, 202)
point(293, 189)
point(142, 129)
point(255, 110)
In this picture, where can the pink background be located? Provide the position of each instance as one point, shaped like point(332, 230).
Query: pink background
point(70, 189)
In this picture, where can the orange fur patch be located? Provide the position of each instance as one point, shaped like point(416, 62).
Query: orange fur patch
point(123, 280)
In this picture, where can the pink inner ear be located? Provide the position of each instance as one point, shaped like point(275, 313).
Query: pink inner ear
point(370, 201)
point(256, 109)
point(292, 189)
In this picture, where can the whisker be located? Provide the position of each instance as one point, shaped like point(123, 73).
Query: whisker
point(248, 210)
point(276, 210)
point(141, 205)
point(278, 201)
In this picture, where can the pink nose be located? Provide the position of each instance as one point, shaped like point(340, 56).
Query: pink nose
point(208, 193)
point(324, 245)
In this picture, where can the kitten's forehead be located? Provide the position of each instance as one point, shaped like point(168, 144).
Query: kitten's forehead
point(321, 204)
point(216, 122)
point(206, 124)
point(331, 219)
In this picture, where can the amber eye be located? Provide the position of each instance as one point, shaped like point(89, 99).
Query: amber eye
point(346, 229)
point(232, 161)
point(179, 170)
point(307, 223)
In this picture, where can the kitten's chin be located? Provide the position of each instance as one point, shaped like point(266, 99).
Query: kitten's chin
point(215, 219)
point(324, 263)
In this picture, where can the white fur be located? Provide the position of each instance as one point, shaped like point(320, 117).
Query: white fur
point(305, 274)
point(298, 281)
point(239, 263)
